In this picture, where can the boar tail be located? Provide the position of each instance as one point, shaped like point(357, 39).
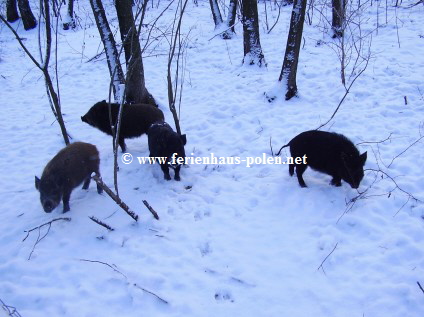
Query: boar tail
point(278, 154)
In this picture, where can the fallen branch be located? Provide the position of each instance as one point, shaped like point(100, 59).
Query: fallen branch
point(118, 200)
point(99, 222)
point(322, 263)
point(147, 291)
point(154, 213)
point(39, 238)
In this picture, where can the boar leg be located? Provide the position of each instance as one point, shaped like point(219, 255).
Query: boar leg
point(66, 197)
point(122, 144)
point(177, 173)
point(300, 169)
point(86, 183)
point(291, 169)
point(336, 181)
point(165, 170)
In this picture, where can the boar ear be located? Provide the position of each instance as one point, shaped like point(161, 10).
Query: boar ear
point(183, 138)
point(363, 158)
point(37, 183)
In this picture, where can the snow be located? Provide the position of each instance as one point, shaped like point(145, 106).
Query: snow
point(231, 240)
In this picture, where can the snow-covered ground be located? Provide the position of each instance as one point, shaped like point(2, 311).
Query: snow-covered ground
point(231, 240)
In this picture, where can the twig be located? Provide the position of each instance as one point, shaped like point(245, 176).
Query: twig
point(270, 145)
point(39, 237)
point(397, 186)
point(118, 200)
point(114, 268)
point(322, 263)
point(154, 213)
point(411, 145)
point(344, 96)
point(149, 292)
point(421, 288)
point(376, 142)
point(10, 310)
point(99, 222)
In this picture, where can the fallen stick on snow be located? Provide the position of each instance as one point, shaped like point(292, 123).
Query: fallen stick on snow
point(118, 200)
point(154, 213)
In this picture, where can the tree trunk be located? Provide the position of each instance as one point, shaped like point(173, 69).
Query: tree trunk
point(253, 54)
point(291, 57)
point(216, 13)
point(11, 11)
point(70, 22)
point(339, 10)
point(136, 91)
point(231, 20)
point(28, 18)
point(112, 56)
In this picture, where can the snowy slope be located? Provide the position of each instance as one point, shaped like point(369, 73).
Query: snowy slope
point(231, 240)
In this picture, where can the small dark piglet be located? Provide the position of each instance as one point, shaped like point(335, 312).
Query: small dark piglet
point(136, 119)
point(70, 167)
point(165, 142)
point(328, 153)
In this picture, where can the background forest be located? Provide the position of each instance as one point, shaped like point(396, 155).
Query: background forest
point(239, 79)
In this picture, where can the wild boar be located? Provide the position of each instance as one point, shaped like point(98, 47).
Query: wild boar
point(136, 119)
point(329, 153)
point(70, 167)
point(165, 142)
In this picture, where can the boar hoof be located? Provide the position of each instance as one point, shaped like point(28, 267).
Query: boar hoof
point(336, 182)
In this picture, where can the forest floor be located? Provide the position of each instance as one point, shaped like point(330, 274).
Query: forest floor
point(232, 240)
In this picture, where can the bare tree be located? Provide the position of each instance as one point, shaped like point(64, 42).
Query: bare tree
point(216, 13)
point(11, 11)
point(136, 91)
point(112, 56)
point(253, 54)
point(28, 18)
point(227, 26)
point(44, 66)
point(291, 57)
point(175, 53)
point(338, 12)
point(231, 20)
point(69, 20)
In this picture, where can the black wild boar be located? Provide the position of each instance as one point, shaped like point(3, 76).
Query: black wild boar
point(165, 142)
point(136, 119)
point(329, 153)
point(70, 167)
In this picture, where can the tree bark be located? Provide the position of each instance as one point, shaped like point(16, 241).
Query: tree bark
point(112, 56)
point(291, 57)
point(28, 18)
point(216, 13)
point(253, 54)
point(231, 20)
point(11, 11)
point(70, 21)
point(136, 91)
point(338, 10)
